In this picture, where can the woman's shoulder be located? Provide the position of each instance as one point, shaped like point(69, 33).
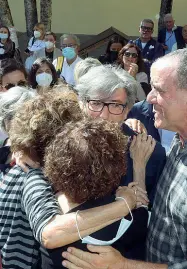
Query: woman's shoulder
point(142, 77)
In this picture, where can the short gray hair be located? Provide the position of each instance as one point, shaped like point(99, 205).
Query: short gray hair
point(147, 21)
point(10, 101)
point(83, 66)
point(74, 37)
point(102, 81)
point(168, 15)
point(178, 60)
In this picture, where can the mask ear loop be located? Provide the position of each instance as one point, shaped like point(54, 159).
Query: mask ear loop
point(122, 198)
point(77, 225)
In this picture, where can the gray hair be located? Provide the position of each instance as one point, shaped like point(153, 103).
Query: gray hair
point(168, 15)
point(83, 66)
point(178, 60)
point(102, 81)
point(74, 37)
point(10, 102)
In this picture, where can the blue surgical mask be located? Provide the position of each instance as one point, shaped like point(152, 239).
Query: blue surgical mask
point(44, 79)
point(69, 53)
point(3, 36)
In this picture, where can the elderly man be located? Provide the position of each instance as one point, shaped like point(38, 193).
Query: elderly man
point(170, 34)
point(166, 245)
point(65, 64)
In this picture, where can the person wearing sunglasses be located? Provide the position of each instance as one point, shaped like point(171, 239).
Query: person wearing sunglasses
point(12, 74)
point(151, 49)
point(130, 59)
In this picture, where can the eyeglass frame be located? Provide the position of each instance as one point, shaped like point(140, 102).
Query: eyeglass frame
point(148, 29)
point(130, 54)
point(107, 105)
point(63, 46)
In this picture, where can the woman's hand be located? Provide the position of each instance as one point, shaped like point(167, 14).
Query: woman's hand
point(136, 126)
point(24, 161)
point(128, 194)
point(141, 148)
point(141, 194)
point(133, 69)
point(102, 258)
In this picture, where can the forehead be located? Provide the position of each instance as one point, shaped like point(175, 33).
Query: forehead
point(169, 19)
point(13, 77)
point(147, 24)
point(116, 45)
point(119, 95)
point(132, 50)
point(49, 37)
point(43, 67)
point(184, 28)
point(3, 30)
point(68, 40)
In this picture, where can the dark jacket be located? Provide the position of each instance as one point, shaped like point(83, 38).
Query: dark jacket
point(152, 51)
point(154, 166)
point(143, 111)
point(178, 36)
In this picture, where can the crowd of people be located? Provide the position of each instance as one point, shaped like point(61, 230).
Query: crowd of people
point(92, 152)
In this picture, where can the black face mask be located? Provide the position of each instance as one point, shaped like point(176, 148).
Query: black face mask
point(113, 55)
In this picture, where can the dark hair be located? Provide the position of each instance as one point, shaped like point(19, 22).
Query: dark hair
point(2, 26)
point(51, 33)
point(36, 65)
point(147, 21)
point(115, 39)
point(140, 62)
point(86, 160)
point(9, 66)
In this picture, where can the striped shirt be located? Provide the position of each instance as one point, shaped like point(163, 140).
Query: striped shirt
point(27, 204)
point(167, 237)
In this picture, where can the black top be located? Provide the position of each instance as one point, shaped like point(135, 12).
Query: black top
point(133, 237)
point(9, 54)
point(49, 55)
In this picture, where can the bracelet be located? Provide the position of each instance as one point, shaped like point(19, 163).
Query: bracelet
point(122, 198)
point(77, 225)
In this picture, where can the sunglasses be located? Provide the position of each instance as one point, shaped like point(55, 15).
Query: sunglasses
point(145, 28)
point(21, 83)
point(128, 54)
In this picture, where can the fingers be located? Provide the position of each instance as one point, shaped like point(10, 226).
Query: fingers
point(79, 257)
point(100, 249)
point(70, 265)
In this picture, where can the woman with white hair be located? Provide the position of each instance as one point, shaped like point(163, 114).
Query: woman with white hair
point(10, 101)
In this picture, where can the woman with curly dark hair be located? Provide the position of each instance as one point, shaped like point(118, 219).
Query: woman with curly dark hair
point(130, 59)
point(85, 162)
point(42, 74)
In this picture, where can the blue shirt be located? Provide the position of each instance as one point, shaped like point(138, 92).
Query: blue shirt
point(170, 41)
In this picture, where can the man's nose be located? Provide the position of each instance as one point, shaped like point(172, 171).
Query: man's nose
point(151, 97)
point(104, 113)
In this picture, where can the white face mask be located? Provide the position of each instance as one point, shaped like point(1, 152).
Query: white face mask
point(3, 36)
point(2, 51)
point(49, 45)
point(37, 34)
point(44, 79)
point(123, 227)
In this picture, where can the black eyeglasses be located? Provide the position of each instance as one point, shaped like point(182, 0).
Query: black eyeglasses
point(21, 83)
point(113, 108)
point(145, 28)
point(128, 54)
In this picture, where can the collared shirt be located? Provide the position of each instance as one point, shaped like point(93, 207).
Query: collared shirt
point(170, 41)
point(68, 71)
point(167, 237)
point(27, 204)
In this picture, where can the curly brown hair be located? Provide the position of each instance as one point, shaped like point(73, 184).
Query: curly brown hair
point(87, 159)
point(140, 62)
point(40, 119)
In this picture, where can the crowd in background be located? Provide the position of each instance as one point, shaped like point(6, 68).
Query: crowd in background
point(83, 153)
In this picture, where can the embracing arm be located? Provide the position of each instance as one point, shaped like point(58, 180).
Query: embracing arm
point(51, 228)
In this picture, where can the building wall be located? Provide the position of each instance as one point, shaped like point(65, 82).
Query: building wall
point(93, 16)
